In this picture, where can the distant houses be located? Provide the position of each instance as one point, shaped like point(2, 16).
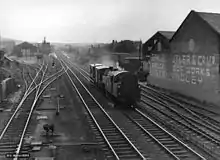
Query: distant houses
point(27, 49)
point(24, 49)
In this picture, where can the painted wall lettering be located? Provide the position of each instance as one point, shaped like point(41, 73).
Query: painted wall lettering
point(157, 67)
point(192, 68)
point(199, 60)
point(186, 68)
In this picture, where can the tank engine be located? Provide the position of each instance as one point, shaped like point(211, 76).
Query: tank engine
point(122, 86)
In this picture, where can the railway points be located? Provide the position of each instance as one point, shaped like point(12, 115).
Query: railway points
point(15, 121)
point(117, 133)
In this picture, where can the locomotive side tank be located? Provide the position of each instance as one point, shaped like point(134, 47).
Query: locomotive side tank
point(122, 86)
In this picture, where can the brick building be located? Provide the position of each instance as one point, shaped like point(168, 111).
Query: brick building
point(192, 68)
point(159, 42)
point(24, 49)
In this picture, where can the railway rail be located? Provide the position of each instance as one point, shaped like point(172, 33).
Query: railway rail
point(183, 103)
point(11, 138)
point(202, 130)
point(13, 130)
point(210, 127)
point(182, 125)
point(204, 114)
point(200, 119)
point(114, 139)
point(174, 147)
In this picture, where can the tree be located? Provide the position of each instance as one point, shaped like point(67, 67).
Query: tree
point(125, 46)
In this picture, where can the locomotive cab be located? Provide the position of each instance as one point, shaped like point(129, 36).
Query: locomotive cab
point(123, 86)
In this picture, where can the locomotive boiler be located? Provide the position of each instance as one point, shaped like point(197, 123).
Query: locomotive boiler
point(122, 86)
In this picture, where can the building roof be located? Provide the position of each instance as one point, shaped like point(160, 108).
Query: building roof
point(26, 45)
point(167, 34)
point(213, 19)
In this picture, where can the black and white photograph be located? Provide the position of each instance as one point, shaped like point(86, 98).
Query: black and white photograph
point(109, 80)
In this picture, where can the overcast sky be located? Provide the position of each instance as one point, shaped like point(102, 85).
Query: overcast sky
point(94, 20)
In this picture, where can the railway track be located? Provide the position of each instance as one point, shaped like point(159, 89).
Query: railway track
point(11, 135)
point(204, 114)
point(198, 118)
point(183, 126)
point(27, 74)
point(24, 79)
point(174, 147)
point(111, 138)
point(209, 127)
point(191, 126)
point(183, 103)
point(29, 80)
point(11, 138)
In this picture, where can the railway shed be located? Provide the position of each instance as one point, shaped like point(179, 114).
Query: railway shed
point(191, 67)
point(158, 43)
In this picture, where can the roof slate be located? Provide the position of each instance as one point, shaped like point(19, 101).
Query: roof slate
point(167, 34)
point(213, 19)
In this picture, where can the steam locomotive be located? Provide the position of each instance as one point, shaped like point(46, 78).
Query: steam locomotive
point(122, 86)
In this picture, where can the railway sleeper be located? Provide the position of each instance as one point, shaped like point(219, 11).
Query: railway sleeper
point(109, 131)
point(125, 152)
point(172, 145)
point(3, 147)
point(161, 135)
point(161, 139)
point(8, 144)
point(117, 142)
point(7, 150)
point(127, 156)
point(114, 137)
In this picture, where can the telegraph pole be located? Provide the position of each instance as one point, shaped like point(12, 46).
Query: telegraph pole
point(140, 49)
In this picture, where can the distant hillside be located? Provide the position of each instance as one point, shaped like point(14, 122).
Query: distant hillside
point(4, 39)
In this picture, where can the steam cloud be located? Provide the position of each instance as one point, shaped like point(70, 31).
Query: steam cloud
point(97, 55)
